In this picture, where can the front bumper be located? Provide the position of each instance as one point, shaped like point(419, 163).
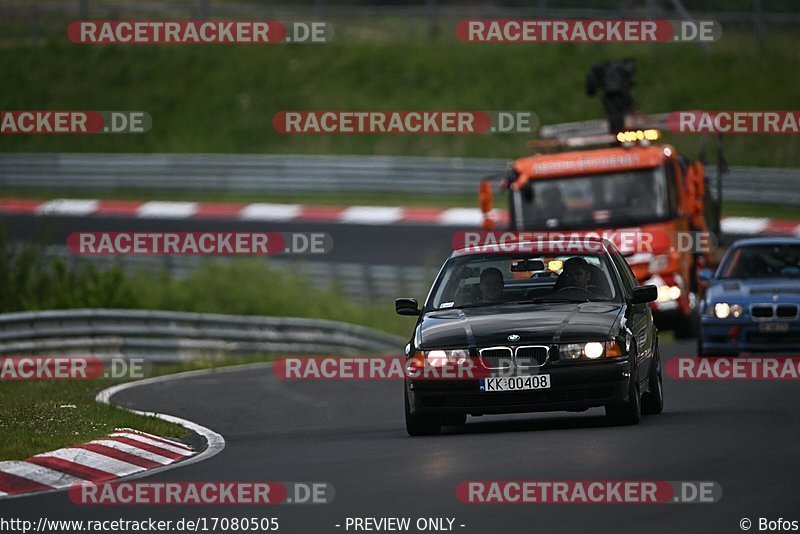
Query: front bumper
point(574, 386)
point(745, 335)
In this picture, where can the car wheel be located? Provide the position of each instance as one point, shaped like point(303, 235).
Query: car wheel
point(421, 425)
point(653, 399)
point(627, 413)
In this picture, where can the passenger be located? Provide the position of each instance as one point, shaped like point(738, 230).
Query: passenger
point(491, 285)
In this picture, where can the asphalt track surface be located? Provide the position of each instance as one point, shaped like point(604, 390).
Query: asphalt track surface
point(398, 244)
point(742, 435)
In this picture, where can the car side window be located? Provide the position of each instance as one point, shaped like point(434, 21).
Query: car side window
point(625, 273)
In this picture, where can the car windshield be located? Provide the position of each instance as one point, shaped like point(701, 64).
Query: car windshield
point(492, 279)
point(594, 201)
point(763, 261)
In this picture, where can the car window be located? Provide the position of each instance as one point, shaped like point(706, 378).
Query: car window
point(626, 274)
point(490, 279)
point(763, 261)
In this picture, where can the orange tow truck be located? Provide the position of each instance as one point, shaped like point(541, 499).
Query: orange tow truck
point(630, 183)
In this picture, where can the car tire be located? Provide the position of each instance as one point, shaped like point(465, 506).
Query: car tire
point(627, 413)
point(421, 425)
point(653, 398)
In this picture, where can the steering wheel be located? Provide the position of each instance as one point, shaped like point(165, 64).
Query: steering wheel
point(575, 288)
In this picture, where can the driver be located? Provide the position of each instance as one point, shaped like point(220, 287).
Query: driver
point(491, 285)
point(576, 273)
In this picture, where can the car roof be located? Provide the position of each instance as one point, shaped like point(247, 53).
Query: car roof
point(581, 245)
point(755, 241)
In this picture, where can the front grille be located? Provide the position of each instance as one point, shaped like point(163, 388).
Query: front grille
point(496, 357)
point(762, 311)
point(531, 356)
point(786, 311)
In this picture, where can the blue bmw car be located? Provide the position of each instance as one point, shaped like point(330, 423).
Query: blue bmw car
point(753, 299)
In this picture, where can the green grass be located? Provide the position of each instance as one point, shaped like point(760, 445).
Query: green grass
point(223, 98)
point(249, 286)
point(40, 416)
point(773, 211)
point(46, 415)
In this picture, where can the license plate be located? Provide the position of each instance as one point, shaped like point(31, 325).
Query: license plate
point(773, 327)
point(515, 383)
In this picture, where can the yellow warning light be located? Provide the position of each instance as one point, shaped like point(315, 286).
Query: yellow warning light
point(632, 136)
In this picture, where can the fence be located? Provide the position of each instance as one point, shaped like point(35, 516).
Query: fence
point(312, 174)
point(162, 336)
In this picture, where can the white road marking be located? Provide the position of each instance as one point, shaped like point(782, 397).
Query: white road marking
point(744, 225)
point(68, 206)
point(166, 210)
point(95, 460)
point(370, 215)
point(37, 473)
point(144, 439)
point(270, 212)
point(470, 217)
point(136, 451)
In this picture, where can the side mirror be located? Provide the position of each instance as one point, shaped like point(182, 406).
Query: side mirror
point(705, 275)
point(642, 294)
point(406, 307)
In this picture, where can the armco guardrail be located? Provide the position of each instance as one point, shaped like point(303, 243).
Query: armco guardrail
point(175, 336)
point(361, 282)
point(313, 174)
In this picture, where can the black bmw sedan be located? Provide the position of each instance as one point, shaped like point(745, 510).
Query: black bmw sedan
point(541, 327)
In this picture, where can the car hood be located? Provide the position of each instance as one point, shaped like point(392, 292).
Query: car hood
point(755, 290)
point(534, 323)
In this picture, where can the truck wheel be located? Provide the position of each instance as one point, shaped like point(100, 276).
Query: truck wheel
point(421, 425)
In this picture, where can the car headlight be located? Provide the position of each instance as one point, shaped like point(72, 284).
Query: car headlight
point(668, 293)
point(723, 310)
point(592, 350)
point(440, 358)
